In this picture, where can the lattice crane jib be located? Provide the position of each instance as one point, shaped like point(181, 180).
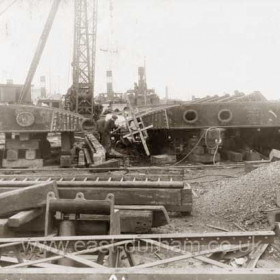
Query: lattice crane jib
point(84, 55)
point(25, 95)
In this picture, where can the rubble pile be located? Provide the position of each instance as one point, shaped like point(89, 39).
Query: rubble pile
point(246, 199)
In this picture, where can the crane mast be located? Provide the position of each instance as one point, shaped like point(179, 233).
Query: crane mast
point(82, 91)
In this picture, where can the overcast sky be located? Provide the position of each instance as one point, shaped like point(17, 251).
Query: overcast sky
point(196, 47)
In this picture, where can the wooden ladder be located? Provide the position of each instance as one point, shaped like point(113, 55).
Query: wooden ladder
point(141, 130)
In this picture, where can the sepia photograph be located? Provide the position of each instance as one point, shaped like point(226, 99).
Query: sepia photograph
point(139, 139)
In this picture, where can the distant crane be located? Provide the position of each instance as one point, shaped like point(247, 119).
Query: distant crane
point(80, 97)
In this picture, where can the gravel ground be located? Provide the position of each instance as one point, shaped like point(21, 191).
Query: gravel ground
point(243, 200)
point(229, 199)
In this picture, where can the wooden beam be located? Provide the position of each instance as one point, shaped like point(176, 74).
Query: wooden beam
point(256, 254)
point(25, 198)
point(23, 217)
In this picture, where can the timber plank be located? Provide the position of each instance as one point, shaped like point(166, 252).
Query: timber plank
point(25, 198)
point(23, 217)
point(256, 254)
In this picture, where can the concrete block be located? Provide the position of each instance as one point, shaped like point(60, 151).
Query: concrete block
point(12, 154)
point(65, 160)
point(30, 154)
